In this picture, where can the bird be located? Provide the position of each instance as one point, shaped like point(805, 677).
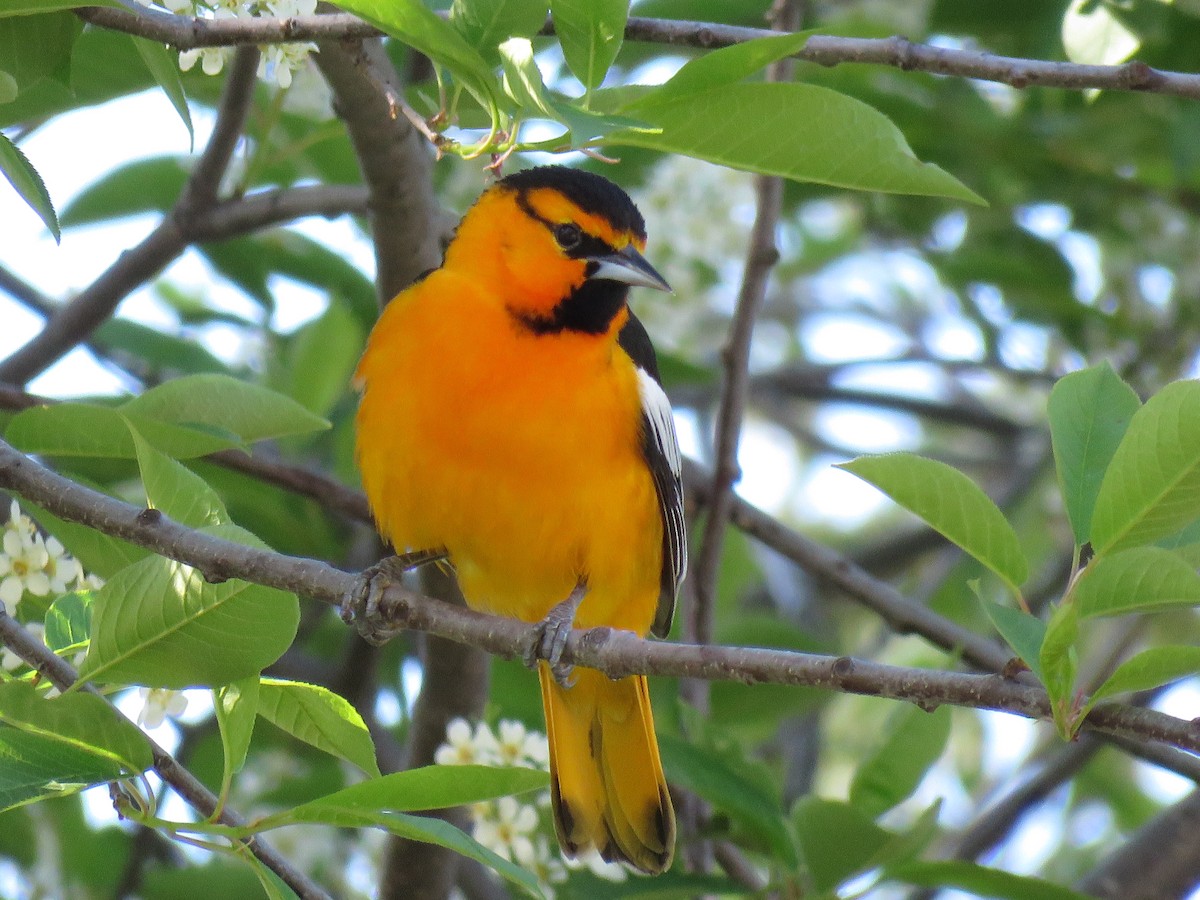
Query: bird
point(512, 423)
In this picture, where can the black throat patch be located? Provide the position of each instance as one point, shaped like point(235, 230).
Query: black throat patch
point(590, 309)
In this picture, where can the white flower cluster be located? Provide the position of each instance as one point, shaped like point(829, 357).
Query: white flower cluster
point(278, 62)
point(517, 831)
point(31, 564)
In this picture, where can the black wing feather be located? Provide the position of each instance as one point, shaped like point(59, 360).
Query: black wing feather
point(660, 447)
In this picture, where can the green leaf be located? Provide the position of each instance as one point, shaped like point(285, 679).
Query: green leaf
point(914, 739)
point(1023, 632)
point(175, 490)
point(318, 717)
point(83, 429)
point(224, 404)
point(236, 706)
point(8, 88)
point(381, 802)
point(1089, 411)
point(1152, 486)
point(322, 357)
point(485, 24)
point(69, 622)
point(837, 840)
point(154, 349)
point(590, 33)
point(164, 68)
point(416, 790)
point(103, 65)
point(523, 79)
point(1092, 35)
point(28, 183)
point(980, 881)
point(951, 504)
point(716, 780)
point(37, 768)
point(768, 128)
point(1143, 579)
point(37, 47)
point(1058, 663)
point(30, 7)
point(159, 623)
point(80, 721)
point(147, 185)
point(1150, 668)
point(729, 64)
point(422, 29)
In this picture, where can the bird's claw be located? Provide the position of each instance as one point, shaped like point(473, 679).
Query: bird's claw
point(361, 605)
point(550, 640)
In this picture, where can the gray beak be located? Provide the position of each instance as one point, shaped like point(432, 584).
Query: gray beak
point(629, 266)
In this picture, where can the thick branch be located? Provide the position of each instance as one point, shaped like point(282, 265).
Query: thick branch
point(615, 653)
point(186, 33)
point(396, 163)
point(186, 785)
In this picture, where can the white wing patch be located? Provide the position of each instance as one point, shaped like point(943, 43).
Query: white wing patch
point(663, 443)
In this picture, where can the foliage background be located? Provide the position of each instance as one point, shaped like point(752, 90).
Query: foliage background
point(889, 322)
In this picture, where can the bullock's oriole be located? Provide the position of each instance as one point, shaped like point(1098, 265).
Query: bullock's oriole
point(511, 417)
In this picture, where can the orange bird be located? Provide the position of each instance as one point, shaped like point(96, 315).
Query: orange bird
point(512, 420)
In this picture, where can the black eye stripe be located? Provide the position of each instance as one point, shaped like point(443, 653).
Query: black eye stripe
point(588, 245)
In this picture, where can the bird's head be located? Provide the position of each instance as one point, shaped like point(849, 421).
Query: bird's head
point(560, 246)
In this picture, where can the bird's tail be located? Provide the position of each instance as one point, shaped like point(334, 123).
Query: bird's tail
point(606, 779)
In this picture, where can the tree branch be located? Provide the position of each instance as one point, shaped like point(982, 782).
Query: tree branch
point(72, 324)
point(617, 654)
point(761, 256)
point(186, 33)
point(396, 163)
point(62, 675)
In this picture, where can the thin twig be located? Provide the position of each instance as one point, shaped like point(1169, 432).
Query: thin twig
point(62, 675)
point(760, 259)
point(73, 324)
point(186, 33)
point(237, 97)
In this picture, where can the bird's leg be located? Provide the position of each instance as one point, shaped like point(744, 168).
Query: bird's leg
point(551, 637)
point(360, 605)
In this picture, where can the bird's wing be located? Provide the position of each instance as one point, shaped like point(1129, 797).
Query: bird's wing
point(660, 447)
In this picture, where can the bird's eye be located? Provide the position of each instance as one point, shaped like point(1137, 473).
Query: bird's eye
point(568, 235)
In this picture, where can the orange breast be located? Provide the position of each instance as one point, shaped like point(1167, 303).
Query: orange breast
point(518, 453)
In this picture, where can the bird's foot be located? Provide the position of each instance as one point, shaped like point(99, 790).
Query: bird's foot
point(361, 604)
point(550, 640)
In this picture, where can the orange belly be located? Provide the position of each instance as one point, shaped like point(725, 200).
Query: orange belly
point(518, 453)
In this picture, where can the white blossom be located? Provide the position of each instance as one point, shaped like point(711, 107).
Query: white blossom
point(466, 748)
point(509, 831)
point(31, 563)
point(23, 561)
point(63, 570)
point(516, 746)
point(158, 703)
